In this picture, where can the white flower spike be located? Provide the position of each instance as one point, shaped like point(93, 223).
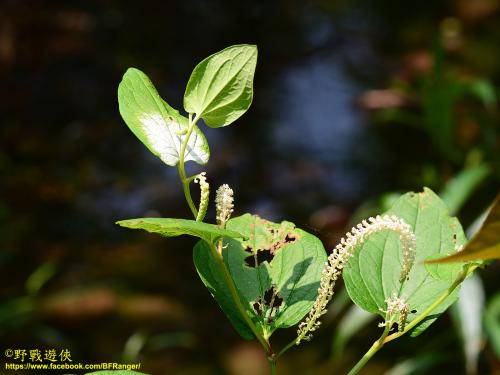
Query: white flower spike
point(224, 204)
point(340, 256)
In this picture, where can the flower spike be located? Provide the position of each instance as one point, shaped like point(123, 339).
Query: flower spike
point(224, 204)
point(340, 256)
point(204, 196)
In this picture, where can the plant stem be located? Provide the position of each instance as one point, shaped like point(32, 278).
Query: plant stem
point(377, 345)
point(385, 338)
point(180, 167)
point(466, 272)
point(272, 364)
point(217, 253)
point(236, 298)
point(289, 345)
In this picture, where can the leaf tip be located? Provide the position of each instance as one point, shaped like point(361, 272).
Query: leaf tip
point(123, 223)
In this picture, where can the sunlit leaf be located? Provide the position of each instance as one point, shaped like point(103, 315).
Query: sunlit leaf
point(372, 274)
point(220, 88)
point(177, 227)
point(460, 187)
point(160, 127)
point(485, 244)
point(274, 260)
point(447, 272)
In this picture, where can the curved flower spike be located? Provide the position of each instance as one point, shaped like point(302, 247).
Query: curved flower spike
point(204, 195)
point(340, 256)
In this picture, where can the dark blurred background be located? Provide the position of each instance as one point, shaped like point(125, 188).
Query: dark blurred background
point(355, 102)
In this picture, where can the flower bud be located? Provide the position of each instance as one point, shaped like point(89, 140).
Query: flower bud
point(224, 204)
point(204, 195)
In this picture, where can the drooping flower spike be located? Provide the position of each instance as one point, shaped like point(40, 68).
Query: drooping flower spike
point(340, 256)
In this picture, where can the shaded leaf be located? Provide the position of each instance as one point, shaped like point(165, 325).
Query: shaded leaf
point(418, 364)
point(440, 95)
point(372, 274)
point(176, 227)
point(276, 270)
point(40, 277)
point(485, 244)
point(155, 123)
point(492, 322)
point(220, 88)
point(468, 313)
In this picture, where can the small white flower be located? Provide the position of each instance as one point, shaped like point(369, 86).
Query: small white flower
point(397, 308)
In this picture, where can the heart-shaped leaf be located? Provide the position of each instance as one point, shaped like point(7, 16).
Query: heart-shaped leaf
point(177, 227)
point(160, 127)
point(276, 269)
point(372, 274)
point(220, 88)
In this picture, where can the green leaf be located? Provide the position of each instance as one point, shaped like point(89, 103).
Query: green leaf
point(443, 271)
point(177, 227)
point(372, 274)
point(277, 260)
point(485, 244)
point(420, 363)
point(160, 127)
point(220, 88)
point(440, 95)
point(492, 322)
point(460, 187)
point(484, 90)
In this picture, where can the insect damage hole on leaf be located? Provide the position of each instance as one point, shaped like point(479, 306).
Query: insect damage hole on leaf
point(276, 238)
point(258, 257)
point(267, 304)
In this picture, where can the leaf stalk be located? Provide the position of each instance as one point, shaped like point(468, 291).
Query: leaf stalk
point(181, 168)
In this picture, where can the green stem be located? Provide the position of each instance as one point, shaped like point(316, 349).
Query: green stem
point(377, 345)
point(272, 364)
point(466, 272)
point(180, 167)
point(218, 254)
point(236, 297)
point(282, 351)
point(385, 338)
